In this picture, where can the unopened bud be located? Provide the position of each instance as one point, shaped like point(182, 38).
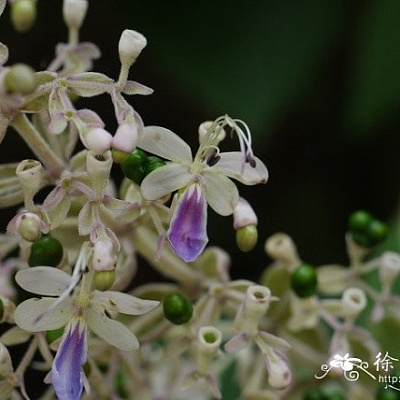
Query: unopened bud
point(208, 342)
point(20, 78)
point(28, 226)
point(125, 137)
point(23, 14)
point(130, 46)
point(281, 247)
point(98, 140)
point(74, 12)
point(104, 257)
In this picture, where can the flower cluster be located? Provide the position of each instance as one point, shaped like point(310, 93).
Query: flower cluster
point(79, 248)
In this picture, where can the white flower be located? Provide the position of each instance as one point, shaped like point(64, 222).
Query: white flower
point(203, 178)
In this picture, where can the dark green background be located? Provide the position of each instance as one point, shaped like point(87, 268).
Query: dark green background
point(317, 82)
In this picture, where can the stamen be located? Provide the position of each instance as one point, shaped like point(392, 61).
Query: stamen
point(213, 158)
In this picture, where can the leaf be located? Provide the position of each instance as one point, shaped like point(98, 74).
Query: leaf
point(374, 90)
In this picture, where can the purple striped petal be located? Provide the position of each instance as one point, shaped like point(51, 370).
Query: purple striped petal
point(66, 372)
point(187, 232)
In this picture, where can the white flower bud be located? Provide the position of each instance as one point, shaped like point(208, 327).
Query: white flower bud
point(125, 137)
point(6, 367)
point(130, 46)
point(28, 226)
point(243, 214)
point(99, 168)
point(389, 267)
point(74, 12)
point(104, 257)
point(98, 140)
point(354, 301)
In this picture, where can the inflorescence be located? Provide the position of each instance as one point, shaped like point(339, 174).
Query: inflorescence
point(76, 251)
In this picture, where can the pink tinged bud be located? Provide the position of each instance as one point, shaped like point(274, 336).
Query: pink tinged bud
point(104, 257)
point(125, 137)
point(279, 372)
point(130, 46)
point(389, 267)
point(98, 140)
point(187, 232)
point(243, 215)
point(66, 372)
point(74, 12)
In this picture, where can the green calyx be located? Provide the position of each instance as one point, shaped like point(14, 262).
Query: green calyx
point(137, 165)
point(45, 251)
point(304, 280)
point(246, 237)
point(177, 309)
point(366, 230)
point(53, 335)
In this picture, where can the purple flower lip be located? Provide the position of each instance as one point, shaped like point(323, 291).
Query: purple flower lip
point(188, 228)
point(67, 373)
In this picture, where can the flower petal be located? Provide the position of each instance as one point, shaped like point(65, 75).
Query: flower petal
point(46, 281)
point(165, 180)
point(164, 143)
point(111, 331)
point(187, 232)
point(279, 372)
point(221, 193)
point(31, 315)
point(124, 303)
point(66, 372)
point(232, 164)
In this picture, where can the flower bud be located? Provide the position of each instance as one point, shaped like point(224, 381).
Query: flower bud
point(125, 137)
point(74, 12)
point(28, 226)
point(20, 78)
point(130, 45)
point(98, 140)
point(243, 215)
point(353, 302)
point(104, 257)
point(23, 14)
point(99, 168)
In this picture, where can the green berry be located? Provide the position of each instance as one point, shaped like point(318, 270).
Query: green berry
point(152, 163)
point(134, 166)
point(361, 239)
point(177, 308)
point(103, 280)
point(304, 280)
point(45, 251)
point(246, 237)
point(359, 221)
point(377, 231)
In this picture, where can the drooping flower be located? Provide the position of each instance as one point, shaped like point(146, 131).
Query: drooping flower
point(206, 176)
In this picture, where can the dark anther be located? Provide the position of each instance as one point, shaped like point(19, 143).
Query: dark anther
point(251, 161)
point(213, 159)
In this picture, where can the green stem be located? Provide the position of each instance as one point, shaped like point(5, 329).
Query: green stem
point(38, 145)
